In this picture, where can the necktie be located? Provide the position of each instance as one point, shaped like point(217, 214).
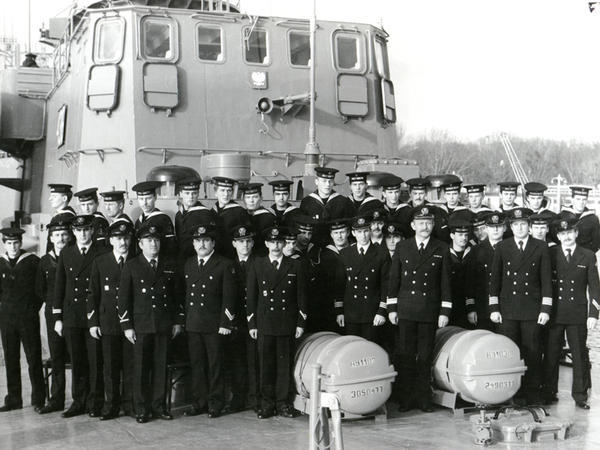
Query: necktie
point(521, 246)
point(568, 255)
point(83, 250)
point(153, 264)
point(201, 264)
point(362, 251)
point(120, 262)
point(421, 248)
point(275, 264)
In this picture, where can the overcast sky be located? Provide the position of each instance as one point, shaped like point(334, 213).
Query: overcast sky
point(471, 67)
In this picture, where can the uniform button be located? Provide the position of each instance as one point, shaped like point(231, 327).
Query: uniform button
point(283, 292)
point(165, 305)
point(526, 273)
point(526, 293)
point(75, 300)
point(414, 271)
point(366, 278)
point(191, 303)
point(426, 274)
point(203, 285)
point(515, 274)
point(201, 295)
point(283, 308)
point(414, 282)
point(355, 296)
point(572, 281)
point(154, 306)
point(424, 284)
point(355, 286)
point(106, 278)
point(412, 292)
point(75, 289)
point(514, 282)
point(201, 304)
point(272, 309)
point(514, 293)
point(423, 294)
point(193, 285)
point(365, 296)
point(192, 294)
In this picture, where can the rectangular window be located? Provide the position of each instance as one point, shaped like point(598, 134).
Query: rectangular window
point(159, 39)
point(108, 40)
point(349, 51)
point(381, 59)
point(210, 43)
point(299, 48)
point(256, 49)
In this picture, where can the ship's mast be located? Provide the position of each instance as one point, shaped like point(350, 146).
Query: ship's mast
point(311, 150)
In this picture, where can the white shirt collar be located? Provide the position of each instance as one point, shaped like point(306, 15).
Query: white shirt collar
point(571, 247)
point(118, 255)
point(206, 258)
point(376, 241)
point(364, 247)
point(276, 259)
point(524, 241)
point(155, 259)
point(424, 241)
point(243, 259)
point(87, 247)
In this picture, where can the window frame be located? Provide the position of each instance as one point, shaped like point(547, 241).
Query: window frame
point(268, 47)
point(96, 45)
point(379, 42)
point(289, 47)
point(173, 36)
point(361, 54)
point(223, 41)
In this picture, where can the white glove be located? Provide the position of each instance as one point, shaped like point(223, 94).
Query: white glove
point(496, 317)
point(95, 332)
point(253, 333)
point(472, 318)
point(58, 327)
point(223, 330)
point(299, 332)
point(543, 318)
point(591, 323)
point(378, 320)
point(443, 321)
point(340, 320)
point(393, 316)
point(130, 335)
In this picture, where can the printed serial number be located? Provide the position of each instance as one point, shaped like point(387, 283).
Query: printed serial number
point(366, 392)
point(363, 362)
point(498, 385)
point(499, 354)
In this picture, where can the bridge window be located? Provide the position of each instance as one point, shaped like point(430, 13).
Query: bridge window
point(256, 49)
point(299, 48)
point(210, 43)
point(159, 39)
point(349, 51)
point(381, 59)
point(108, 40)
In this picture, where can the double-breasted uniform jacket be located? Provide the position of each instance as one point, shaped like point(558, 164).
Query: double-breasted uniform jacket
point(285, 217)
point(276, 299)
point(100, 225)
point(588, 229)
point(45, 280)
point(241, 278)
point(72, 281)
point(261, 219)
point(571, 281)
point(458, 274)
point(185, 222)
point(101, 304)
point(149, 301)
point(478, 276)
point(419, 287)
point(210, 294)
point(365, 283)
point(327, 289)
point(160, 219)
point(520, 279)
point(366, 205)
point(440, 222)
point(18, 297)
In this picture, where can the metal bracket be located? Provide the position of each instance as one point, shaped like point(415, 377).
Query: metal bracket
point(101, 152)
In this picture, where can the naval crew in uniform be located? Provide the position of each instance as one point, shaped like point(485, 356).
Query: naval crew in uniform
point(60, 196)
point(478, 227)
point(377, 219)
point(475, 196)
point(575, 311)
point(114, 204)
point(460, 254)
point(150, 313)
point(479, 272)
point(362, 201)
point(534, 198)
point(392, 234)
point(276, 313)
point(19, 320)
point(73, 271)
point(325, 204)
point(229, 214)
point(261, 218)
point(419, 301)
point(521, 295)
point(88, 205)
point(540, 226)
point(151, 215)
point(390, 186)
point(366, 269)
point(190, 214)
point(417, 189)
point(508, 195)
point(589, 228)
point(283, 209)
point(104, 325)
point(452, 205)
point(210, 302)
point(59, 232)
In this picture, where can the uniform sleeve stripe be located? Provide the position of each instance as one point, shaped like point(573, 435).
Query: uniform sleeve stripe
point(228, 314)
point(470, 301)
point(446, 304)
point(493, 300)
point(123, 320)
point(249, 318)
point(547, 301)
point(304, 316)
point(596, 305)
point(383, 305)
point(392, 301)
point(338, 304)
point(56, 311)
point(89, 315)
point(122, 316)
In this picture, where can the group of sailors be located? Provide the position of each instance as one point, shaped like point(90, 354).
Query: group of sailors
point(231, 288)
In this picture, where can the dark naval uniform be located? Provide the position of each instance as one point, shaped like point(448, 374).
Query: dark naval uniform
point(117, 351)
point(261, 219)
point(571, 279)
point(149, 303)
point(69, 211)
point(20, 324)
point(276, 305)
point(228, 217)
point(285, 217)
point(400, 214)
point(366, 205)
point(459, 264)
point(161, 220)
point(419, 291)
point(588, 228)
point(185, 221)
point(323, 210)
point(519, 281)
point(210, 298)
point(365, 290)
point(44, 285)
point(72, 280)
point(100, 225)
point(440, 222)
point(477, 284)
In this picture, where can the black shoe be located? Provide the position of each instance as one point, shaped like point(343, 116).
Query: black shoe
point(194, 411)
point(110, 415)
point(50, 408)
point(265, 413)
point(287, 411)
point(141, 418)
point(162, 415)
point(73, 411)
point(426, 407)
point(546, 401)
point(95, 413)
point(582, 405)
point(7, 408)
point(213, 413)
